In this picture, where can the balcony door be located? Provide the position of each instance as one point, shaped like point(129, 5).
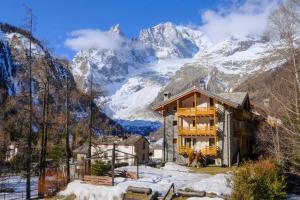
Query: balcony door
point(211, 142)
point(211, 102)
point(187, 142)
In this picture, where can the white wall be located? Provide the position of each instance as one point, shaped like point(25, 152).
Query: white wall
point(157, 154)
point(120, 156)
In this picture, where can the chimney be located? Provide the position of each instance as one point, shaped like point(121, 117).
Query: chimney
point(266, 102)
point(167, 95)
point(202, 85)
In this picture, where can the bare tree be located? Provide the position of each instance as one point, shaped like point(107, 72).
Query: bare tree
point(67, 125)
point(29, 136)
point(282, 140)
point(91, 97)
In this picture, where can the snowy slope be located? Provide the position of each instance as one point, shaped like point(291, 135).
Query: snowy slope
point(225, 65)
point(133, 75)
point(167, 57)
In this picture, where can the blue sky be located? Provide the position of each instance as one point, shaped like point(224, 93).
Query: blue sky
point(55, 19)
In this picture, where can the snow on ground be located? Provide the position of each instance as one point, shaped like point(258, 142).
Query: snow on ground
point(158, 179)
point(18, 183)
point(293, 197)
point(174, 167)
point(203, 198)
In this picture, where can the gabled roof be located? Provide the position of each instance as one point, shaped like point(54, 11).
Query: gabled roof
point(130, 140)
point(120, 140)
point(233, 99)
point(237, 97)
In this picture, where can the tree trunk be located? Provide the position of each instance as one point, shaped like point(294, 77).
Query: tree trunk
point(67, 130)
point(29, 150)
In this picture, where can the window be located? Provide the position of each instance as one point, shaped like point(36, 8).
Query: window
point(211, 122)
point(211, 102)
point(175, 108)
point(194, 123)
point(174, 123)
point(144, 145)
point(174, 140)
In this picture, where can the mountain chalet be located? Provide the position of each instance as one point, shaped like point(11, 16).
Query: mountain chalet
point(219, 127)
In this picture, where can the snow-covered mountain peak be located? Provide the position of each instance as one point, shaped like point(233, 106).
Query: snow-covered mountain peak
point(171, 41)
point(116, 29)
point(167, 56)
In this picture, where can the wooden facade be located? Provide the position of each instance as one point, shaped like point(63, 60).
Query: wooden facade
point(200, 122)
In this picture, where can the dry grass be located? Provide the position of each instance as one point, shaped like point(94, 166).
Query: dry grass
point(212, 170)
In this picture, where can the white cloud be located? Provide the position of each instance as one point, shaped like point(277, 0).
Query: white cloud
point(249, 18)
point(93, 39)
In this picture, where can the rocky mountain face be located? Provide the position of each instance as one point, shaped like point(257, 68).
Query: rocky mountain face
point(169, 58)
point(224, 66)
point(133, 74)
point(14, 87)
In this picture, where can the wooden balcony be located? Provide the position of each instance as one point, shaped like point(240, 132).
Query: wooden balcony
point(209, 151)
point(199, 131)
point(185, 150)
point(206, 151)
point(197, 112)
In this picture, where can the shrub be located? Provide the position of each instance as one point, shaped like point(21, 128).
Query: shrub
point(56, 153)
point(99, 168)
point(259, 180)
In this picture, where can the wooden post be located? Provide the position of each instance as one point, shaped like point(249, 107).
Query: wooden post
point(137, 167)
point(215, 125)
point(195, 102)
point(113, 165)
point(178, 127)
point(164, 142)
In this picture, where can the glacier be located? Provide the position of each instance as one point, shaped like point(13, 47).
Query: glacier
point(133, 75)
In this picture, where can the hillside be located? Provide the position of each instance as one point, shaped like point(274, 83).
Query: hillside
point(14, 86)
point(171, 58)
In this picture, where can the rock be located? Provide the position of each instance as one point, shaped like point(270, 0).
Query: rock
point(211, 195)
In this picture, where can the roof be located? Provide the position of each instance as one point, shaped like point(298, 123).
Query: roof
point(109, 140)
point(120, 140)
point(233, 99)
point(237, 97)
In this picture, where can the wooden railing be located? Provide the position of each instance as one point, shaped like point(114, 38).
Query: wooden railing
point(196, 131)
point(209, 151)
point(193, 111)
point(184, 150)
point(206, 151)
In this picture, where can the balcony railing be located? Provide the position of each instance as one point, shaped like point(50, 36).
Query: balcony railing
point(209, 151)
point(185, 150)
point(196, 131)
point(206, 151)
point(193, 111)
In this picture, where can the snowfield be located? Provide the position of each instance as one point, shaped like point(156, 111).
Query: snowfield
point(18, 183)
point(158, 179)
